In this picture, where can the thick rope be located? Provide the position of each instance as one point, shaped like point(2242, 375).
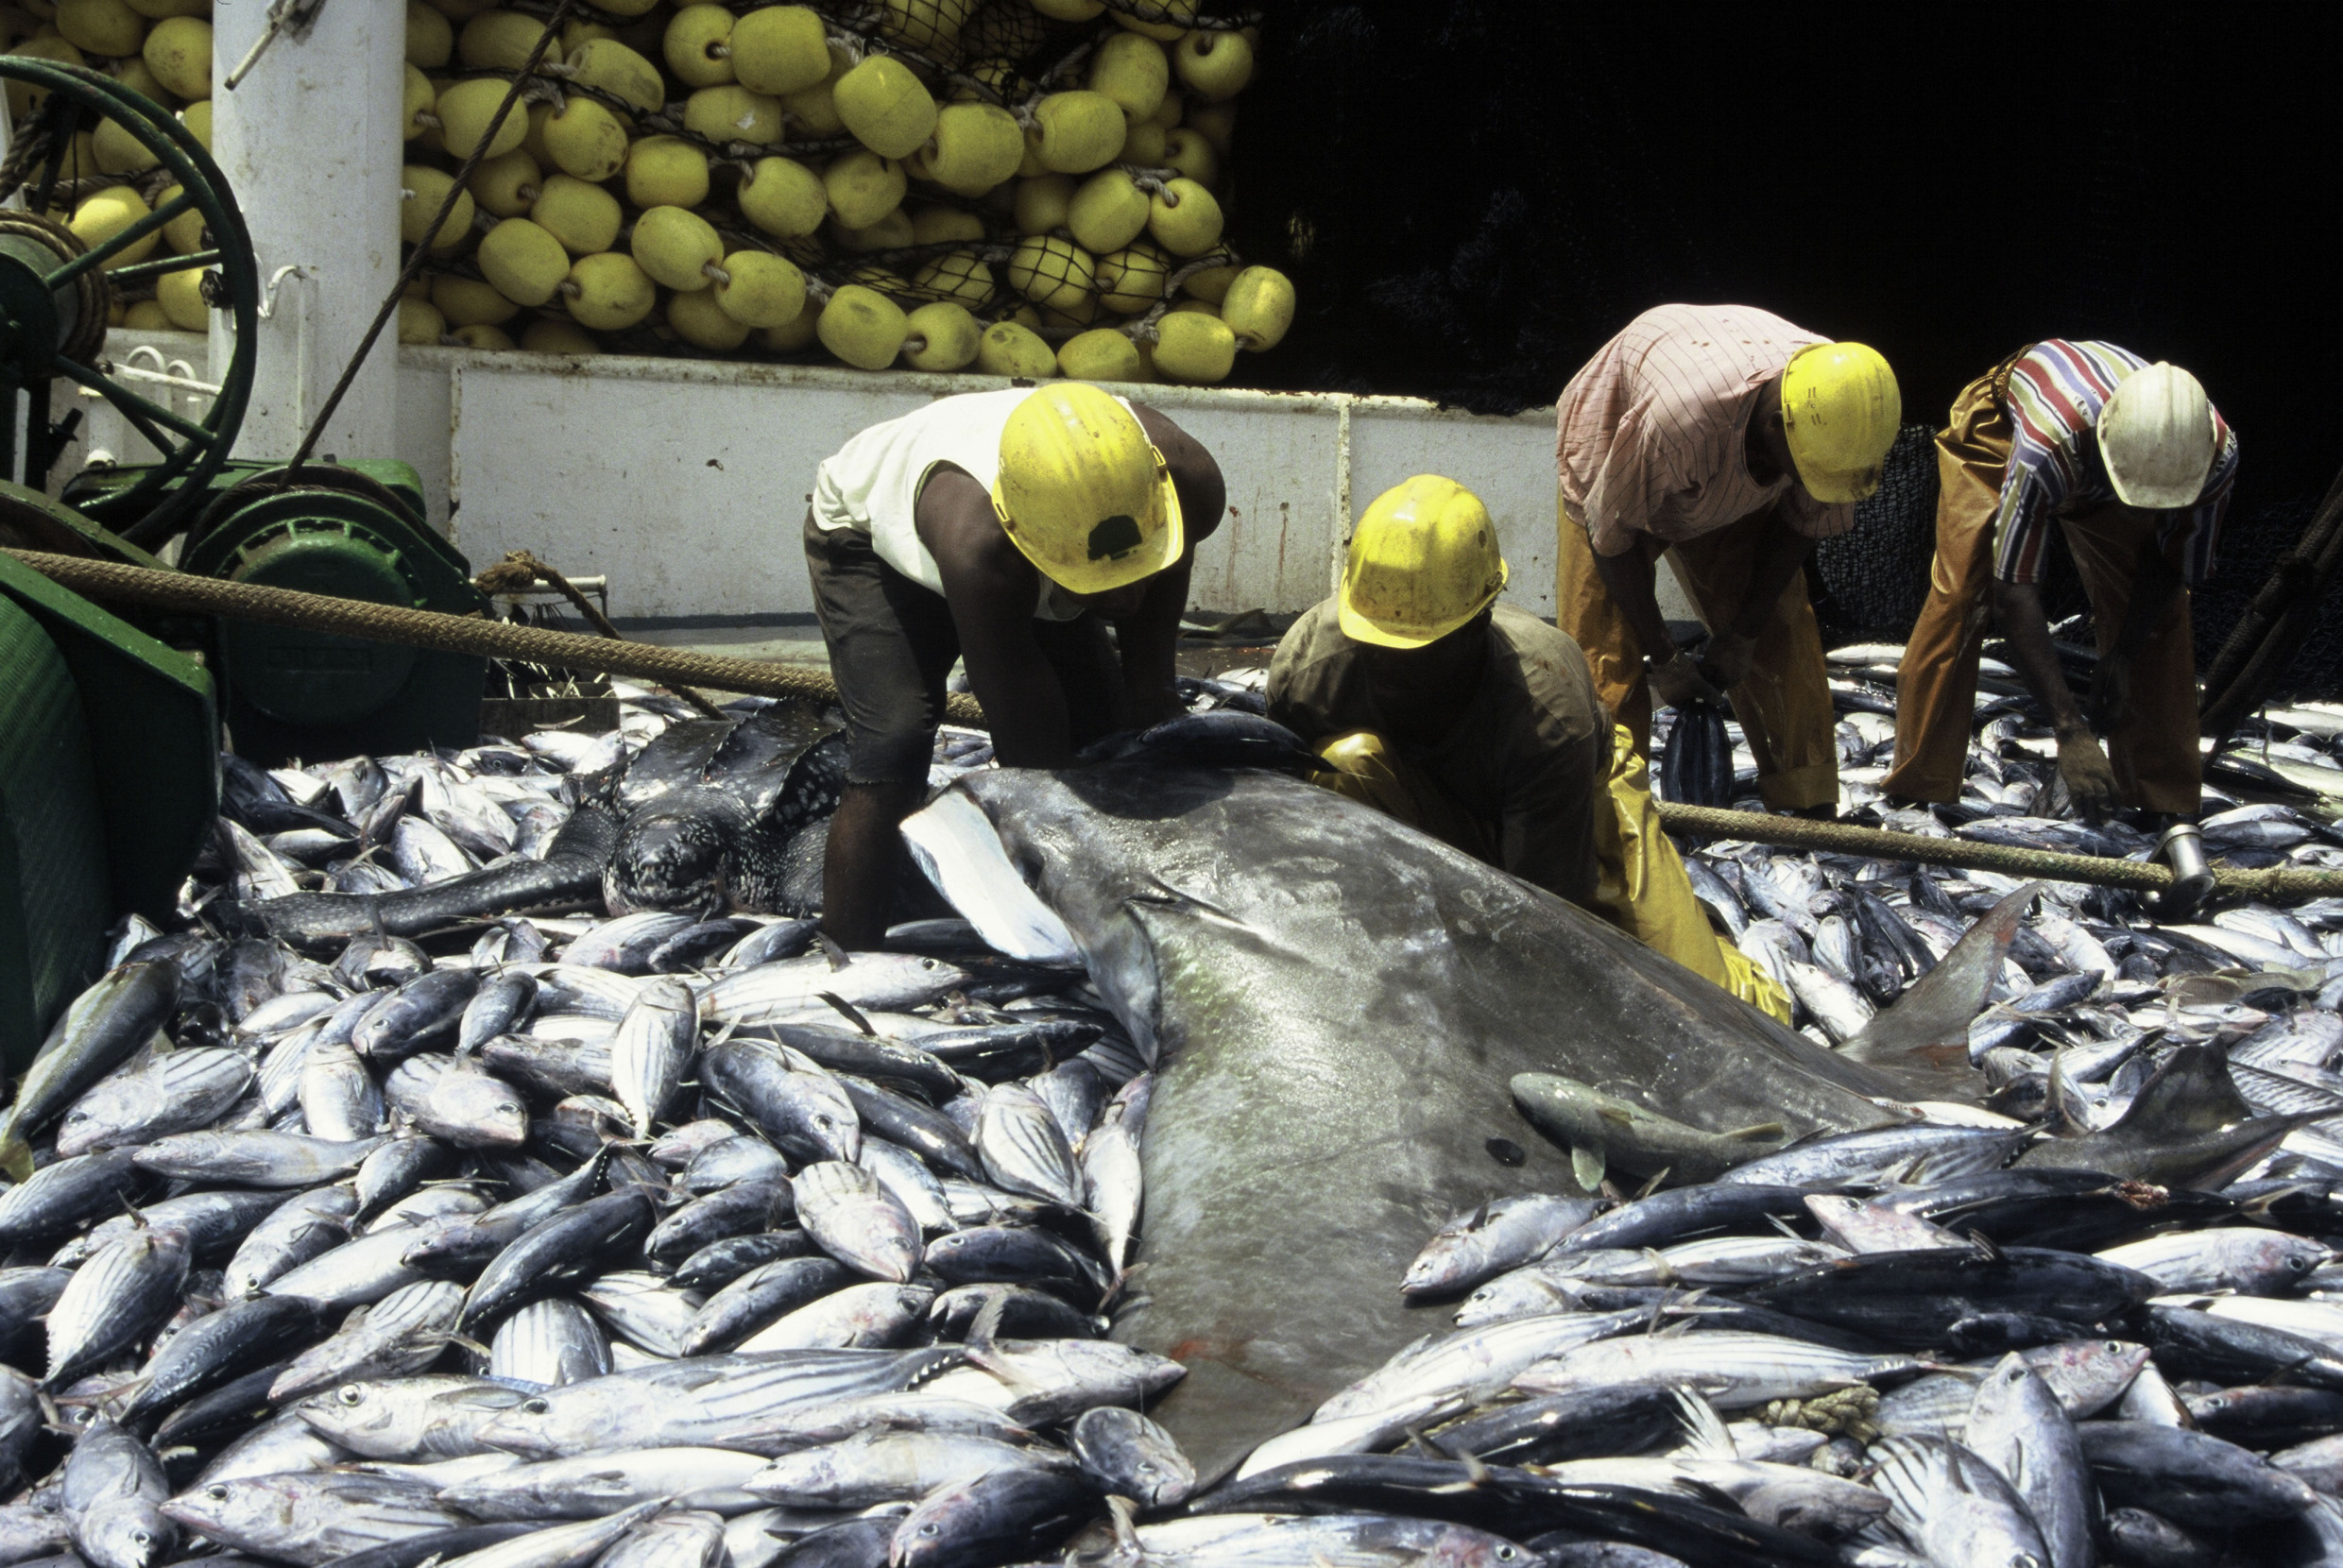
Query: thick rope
point(456, 634)
point(1840, 838)
point(453, 633)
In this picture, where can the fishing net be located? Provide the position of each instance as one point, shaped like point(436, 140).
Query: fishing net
point(1009, 30)
point(2252, 543)
point(1870, 582)
point(1177, 13)
point(1007, 50)
point(931, 26)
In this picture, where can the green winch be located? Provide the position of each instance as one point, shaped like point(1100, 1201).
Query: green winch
point(352, 531)
point(110, 786)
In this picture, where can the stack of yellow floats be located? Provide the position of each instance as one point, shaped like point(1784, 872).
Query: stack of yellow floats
point(107, 182)
point(1016, 187)
point(764, 180)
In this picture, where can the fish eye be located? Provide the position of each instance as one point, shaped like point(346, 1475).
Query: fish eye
point(1506, 1554)
point(216, 1493)
point(929, 1529)
point(535, 1407)
point(349, 1394)
point(2115, 1346)
point(142, 1538)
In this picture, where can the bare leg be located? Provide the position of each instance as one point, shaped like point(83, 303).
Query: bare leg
point(864, 861)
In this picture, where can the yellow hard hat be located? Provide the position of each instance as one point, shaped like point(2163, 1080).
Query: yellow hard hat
point(1422, 562)
point(1083, 491)
point(1840, 409)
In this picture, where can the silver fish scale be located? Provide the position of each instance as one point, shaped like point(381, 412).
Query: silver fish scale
point(417, 1418)
point(310, 1519)
point(687, 1539)
point(1024, 1148)
point(402, 1333)
point(179, 1090)
point(857, 1220)
point(653, 1050)
point(549, 1342)
point(338, 1097)
point(2017, 1427)
point(1955, 1506)
point(1734, 1371)
point(124, 1290)
point(643, 1310)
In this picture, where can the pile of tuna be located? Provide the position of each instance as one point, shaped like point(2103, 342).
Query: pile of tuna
point(683, 1242)
point(1846, 936)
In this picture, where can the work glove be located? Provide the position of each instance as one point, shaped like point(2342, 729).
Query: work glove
point(1727, 659)
point(1676, 684)
point(2089, 782)
point(2109, 707)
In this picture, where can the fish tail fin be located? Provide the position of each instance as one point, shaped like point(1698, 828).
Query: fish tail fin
point(1704, 1430)
point(15, 1157)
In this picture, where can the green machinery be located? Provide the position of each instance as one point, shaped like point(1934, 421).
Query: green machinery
point(109, 781)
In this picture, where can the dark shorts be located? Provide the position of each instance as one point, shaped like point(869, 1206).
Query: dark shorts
point(892, 643)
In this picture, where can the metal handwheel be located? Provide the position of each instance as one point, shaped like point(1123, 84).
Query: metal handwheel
point(55, 292)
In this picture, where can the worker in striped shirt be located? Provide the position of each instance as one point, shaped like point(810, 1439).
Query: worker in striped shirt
point(2135, 464)
point(1730, 440)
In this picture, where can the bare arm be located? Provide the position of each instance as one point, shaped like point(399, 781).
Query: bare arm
point(1781, 551)
point(1148, 637)
point(2090, 781)
point(2154, 582)
point(2018, 608)
point(992, 589)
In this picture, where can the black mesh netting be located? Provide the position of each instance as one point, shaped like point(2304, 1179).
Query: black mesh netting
point(2251, 543)
point(1870, 582)
point(1003, 29)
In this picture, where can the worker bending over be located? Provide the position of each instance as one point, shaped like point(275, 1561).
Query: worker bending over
point(2136, 465)
point(1479, 724)
point(1006, 529)
point(1730, 440)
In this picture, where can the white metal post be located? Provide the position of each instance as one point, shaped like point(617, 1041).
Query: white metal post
point(310, 144)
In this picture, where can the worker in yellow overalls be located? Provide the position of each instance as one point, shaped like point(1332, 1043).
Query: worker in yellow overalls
point(1479, 724)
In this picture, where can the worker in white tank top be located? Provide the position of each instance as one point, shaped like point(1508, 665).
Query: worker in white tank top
point(1007, 529)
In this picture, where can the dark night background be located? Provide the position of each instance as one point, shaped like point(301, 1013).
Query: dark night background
point(1472, 197)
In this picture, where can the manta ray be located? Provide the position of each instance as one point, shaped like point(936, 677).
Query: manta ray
point(1337, 1006)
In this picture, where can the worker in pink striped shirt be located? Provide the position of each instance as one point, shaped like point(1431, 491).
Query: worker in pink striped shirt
point(1730, 440)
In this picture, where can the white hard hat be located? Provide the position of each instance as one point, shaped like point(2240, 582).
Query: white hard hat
point(2156, 437)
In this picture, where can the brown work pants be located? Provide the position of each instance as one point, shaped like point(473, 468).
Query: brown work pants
point(1785, 704)
point(2155, 756)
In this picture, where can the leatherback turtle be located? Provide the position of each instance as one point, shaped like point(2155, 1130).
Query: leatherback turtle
point(712, 814)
